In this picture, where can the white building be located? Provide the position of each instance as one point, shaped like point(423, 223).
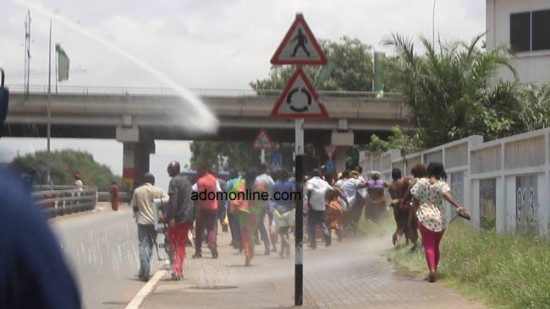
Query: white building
point(525, 26)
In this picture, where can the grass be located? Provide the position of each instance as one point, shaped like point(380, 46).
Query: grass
point(385, 227)
point(503, 271)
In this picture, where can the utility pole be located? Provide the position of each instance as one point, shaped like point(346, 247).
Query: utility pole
point(49, 111)
point(27, 69)
point(433, 26)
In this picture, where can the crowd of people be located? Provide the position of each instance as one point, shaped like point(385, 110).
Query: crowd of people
point(331, 204)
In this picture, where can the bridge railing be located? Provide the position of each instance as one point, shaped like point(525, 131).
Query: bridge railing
point(160, 91)
point(62, 201)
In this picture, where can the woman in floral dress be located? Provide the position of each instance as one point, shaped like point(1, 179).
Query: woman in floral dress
point(430, 192)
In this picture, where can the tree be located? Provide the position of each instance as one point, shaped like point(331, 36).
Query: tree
point(453, 93)
point(236, 155)
point(349, 68)
point(536, 106)
point(407, 143)
point(450, 88)
point(64, 165)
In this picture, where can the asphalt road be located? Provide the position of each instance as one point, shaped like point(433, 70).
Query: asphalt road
point(103, 252)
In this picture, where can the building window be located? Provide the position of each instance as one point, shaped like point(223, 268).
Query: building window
point(530, 31)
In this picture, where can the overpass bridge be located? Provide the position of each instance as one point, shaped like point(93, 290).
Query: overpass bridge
point(138, 116)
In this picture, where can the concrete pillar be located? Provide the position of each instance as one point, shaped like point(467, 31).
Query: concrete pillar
point(340, 158)
point(135, 162)
point(135, 156)
point(128, 163)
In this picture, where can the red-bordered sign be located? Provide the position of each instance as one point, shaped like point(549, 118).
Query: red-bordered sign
point(299, 100)
point(330, 150)
point(262, 141)
point(299, 46)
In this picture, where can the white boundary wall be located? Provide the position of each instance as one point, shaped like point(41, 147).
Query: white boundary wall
point(502, 182)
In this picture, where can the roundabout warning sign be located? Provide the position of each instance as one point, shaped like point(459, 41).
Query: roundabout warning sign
point(299, 100)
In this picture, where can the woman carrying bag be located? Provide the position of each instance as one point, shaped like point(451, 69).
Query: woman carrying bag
point(430, 192)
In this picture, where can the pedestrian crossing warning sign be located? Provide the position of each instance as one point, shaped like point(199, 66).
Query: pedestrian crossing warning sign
point(263, 141)
point(299, 46)
point(299, 100)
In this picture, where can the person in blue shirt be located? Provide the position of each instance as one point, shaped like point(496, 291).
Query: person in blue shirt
point(285, 209)
point(33, 272)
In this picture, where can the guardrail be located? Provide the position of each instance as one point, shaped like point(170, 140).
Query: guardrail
point(65, 201)
point(155, 91)
point(124, 197)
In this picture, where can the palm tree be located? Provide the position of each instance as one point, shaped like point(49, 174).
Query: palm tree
point(446, 88)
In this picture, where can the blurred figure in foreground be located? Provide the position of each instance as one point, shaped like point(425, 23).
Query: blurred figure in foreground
point(33, 272)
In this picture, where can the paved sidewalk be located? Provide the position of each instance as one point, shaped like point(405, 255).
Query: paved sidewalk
point(345, 275)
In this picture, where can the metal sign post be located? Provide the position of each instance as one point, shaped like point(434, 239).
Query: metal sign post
point(299, 241)
point(298, 101)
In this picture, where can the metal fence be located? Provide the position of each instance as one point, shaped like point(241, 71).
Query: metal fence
point(61, 200)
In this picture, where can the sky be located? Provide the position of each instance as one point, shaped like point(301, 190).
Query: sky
point(200, 44)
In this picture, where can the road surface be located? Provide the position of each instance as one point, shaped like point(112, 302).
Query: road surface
point(102, 248)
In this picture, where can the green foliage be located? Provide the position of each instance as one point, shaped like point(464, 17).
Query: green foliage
point(238, 155)
point(450, 88)
point(408, 143)
point(453, 94)
point(505, 271)
point(64, 165)
point(535, 106)
point(350, 68)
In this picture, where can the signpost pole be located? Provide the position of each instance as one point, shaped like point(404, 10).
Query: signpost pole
point(262, 156)
point(298, 101)
point(299, 175)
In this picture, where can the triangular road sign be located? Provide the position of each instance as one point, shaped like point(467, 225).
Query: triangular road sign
point(299, 46)
point(262, 141)
point(330, 150)
point(299, 100)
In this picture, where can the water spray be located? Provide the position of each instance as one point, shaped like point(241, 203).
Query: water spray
point(204, 120)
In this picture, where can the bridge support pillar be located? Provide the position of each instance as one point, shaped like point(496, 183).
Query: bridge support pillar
point(340, 158)
point(135, 156)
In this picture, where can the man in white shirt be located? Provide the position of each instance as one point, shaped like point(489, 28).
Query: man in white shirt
point(142, 200)
point(315, 189)
point(362, 191)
